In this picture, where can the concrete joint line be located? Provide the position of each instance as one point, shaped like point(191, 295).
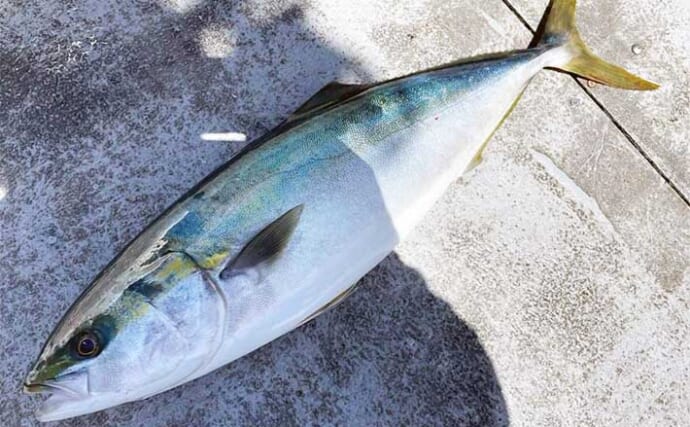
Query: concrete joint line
point(613, 120)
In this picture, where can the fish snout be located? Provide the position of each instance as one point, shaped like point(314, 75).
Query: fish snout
point(32, 388)
point(32, 383)
point(73, 384)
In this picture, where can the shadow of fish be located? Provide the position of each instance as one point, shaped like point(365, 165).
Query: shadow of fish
point(280, 233)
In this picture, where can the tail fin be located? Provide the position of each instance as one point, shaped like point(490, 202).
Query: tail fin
point(558, 29)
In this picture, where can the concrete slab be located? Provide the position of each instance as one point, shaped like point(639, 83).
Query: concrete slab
point(650, 39)
point(540, 257)
point(548, 287)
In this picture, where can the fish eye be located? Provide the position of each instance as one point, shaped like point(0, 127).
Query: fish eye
point(87, 344)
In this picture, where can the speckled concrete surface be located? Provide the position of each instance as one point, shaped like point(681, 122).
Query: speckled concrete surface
point(548, 287)
point(653, 38)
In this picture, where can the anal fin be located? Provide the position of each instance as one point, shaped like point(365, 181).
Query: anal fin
point(332, 303)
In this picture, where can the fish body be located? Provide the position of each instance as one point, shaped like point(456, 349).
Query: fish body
point(286, 228)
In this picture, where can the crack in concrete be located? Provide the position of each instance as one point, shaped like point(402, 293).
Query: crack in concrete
point(613, 120)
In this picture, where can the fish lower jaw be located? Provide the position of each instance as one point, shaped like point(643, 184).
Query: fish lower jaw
point(60, 406)
point(63, 402)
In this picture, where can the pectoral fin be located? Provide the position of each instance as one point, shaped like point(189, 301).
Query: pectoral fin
point(266, 245)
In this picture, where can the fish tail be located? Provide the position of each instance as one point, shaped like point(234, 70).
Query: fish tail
point(558, 29)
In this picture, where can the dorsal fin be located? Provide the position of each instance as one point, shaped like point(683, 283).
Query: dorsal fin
point(268, 243)
point(330, 94)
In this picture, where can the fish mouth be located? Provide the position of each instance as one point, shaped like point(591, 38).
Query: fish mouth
point(38, 388)
point(64, 395)
point(51, 387)
point(74, 384)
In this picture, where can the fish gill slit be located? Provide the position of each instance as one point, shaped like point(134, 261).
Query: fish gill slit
point(215, 287)
point(223, 317)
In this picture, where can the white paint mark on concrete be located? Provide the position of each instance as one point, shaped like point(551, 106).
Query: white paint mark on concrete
point(224, 136)
point(572, 189)
point(180, 6)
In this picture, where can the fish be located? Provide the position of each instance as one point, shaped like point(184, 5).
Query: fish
point(284, 231)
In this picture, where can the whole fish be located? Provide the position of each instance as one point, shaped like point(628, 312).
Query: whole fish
point(285, 229)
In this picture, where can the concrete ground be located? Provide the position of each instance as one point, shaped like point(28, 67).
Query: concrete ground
point(550, 286)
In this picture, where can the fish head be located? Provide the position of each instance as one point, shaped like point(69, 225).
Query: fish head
point(123, 343)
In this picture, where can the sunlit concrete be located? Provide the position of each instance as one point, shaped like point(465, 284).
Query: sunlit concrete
point(548, 287)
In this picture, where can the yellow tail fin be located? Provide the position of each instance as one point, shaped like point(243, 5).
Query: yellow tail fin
point(558, 28)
